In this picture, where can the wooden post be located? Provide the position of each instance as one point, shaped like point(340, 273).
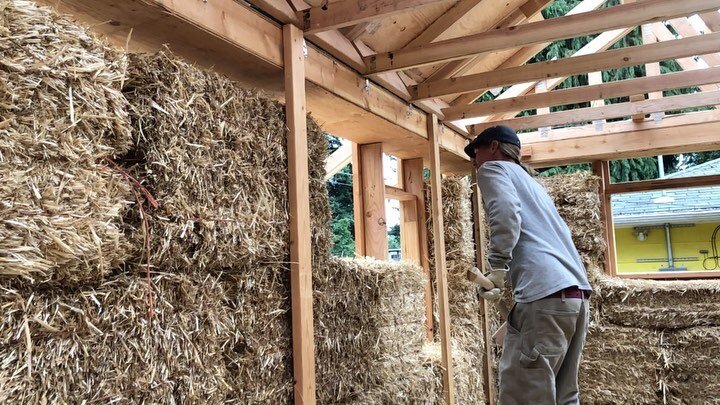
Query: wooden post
point(299, 203)
point(479, 228)
point(413, 231)
point(638, 117)
point(358, 202)
point(440, 270)
point(370, 212)
point(602, 170)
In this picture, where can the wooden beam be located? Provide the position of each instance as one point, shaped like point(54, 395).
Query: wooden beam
point(653, 68)
point(440, 266)
point(687, 30)
point(602, 170)
point(595, 79)
point(711, 20)
point(629, 56)
point(479, 231)
point(630, 144)
point(672, 275)
point(664, 184)
point(620, 88)
point(444, 22)
point(338, 160)
point(358, 201)
point(350, 12)
point(610, 18)
point(585, 131)
point(373, 197)
point(632, 108)
point(299, 207)
point(399, 194)
point(413, 231)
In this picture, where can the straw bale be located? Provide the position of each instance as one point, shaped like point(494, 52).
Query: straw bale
point(693, 366)
point(62, 115)
point(465, 370)
point(214, 157)
point(577, 200)
point(212, 338)
point(369, 320)
point(660, 304)
point(620, 366)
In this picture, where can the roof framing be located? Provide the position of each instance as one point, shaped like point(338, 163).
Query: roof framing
point(590, 22)
point(564, 67)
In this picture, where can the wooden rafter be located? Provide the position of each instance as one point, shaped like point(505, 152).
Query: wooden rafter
point(620, 88)
point(350, 12)
point(529, 12)
point(568, 66)
point(338, 160)
point(580, 115)
point(712, 20)
point(610, 18)
point(444, 22)
point(687, 30)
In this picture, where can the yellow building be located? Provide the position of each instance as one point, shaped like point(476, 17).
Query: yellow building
point(670, 230)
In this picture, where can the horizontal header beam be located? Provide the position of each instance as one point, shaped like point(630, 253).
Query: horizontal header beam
point(663, 184)
point(630, 56)
point(621, 16)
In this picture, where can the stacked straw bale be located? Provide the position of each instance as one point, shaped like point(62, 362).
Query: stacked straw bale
point(660, 304)
point(369, 330)
point(693, 366)
point(62, 118)
point(620, 366)
point(213, 155)
point(466, 321)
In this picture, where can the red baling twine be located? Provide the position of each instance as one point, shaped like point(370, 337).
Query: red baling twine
point(149, 198)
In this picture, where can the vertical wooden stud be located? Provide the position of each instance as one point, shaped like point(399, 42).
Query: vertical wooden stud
point(413, 231)
point(602, 170)
point(373, 201)
point(358, 203)
point(479, 230)
point(440, 268)
point(299, 202)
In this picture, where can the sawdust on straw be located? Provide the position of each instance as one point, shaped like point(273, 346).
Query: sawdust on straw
point(61, 115)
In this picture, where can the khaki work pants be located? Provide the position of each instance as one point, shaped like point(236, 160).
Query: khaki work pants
point(542, 351)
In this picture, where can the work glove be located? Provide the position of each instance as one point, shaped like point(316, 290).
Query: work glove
point(488, 291)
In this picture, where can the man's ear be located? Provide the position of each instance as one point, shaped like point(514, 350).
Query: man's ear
point(494, 146)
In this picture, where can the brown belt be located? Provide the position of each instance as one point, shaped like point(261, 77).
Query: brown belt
point(571, 292)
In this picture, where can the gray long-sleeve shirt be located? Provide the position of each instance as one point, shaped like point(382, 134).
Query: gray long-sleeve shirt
point(527, 233)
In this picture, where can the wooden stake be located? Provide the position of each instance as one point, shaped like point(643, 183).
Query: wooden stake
point(299, 203)
point(440, 270)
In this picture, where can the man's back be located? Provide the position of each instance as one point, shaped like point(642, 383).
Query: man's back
point(527, 233)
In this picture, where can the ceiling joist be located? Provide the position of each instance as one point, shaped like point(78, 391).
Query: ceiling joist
point(621, 16)
point(621, 88)
point(629, 56)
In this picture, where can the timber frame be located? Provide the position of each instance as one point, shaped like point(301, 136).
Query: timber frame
point(403, 77)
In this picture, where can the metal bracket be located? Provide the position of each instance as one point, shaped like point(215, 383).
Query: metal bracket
point(305, 48)
point(545, 132)
point(598, 124)
point(367, 86)
point(657, 117)
point(409, 111)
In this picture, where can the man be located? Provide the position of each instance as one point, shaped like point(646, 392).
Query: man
point(531, 244)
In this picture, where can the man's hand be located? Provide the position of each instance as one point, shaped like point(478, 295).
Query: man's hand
point(489, 291)
point(491, 295)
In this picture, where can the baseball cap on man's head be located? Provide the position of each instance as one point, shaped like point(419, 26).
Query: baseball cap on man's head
point(500, 133)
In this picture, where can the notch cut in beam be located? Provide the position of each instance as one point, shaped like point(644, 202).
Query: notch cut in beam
point(351, 12)
point(633, 108)
point(621, 16)
point(630, 56)
point(620, 88)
